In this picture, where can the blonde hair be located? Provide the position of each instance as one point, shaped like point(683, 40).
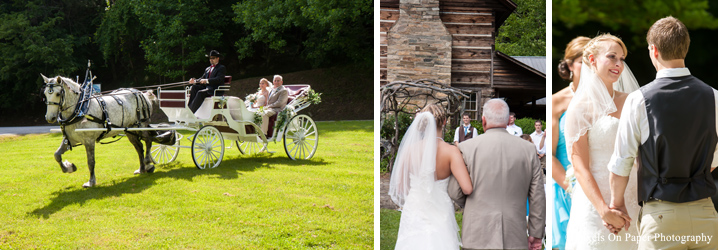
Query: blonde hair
point(592, 47)
point(574, 50)
point(265, 81)
point(670, 37)
point(440, 115)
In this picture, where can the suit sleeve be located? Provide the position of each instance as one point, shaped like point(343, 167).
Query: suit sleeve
point(219, 77)
point(281, 100)
point(455, 191)
point(453, 188)
point(537, 202)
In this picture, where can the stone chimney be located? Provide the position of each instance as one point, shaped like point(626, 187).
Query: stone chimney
point(419, 45)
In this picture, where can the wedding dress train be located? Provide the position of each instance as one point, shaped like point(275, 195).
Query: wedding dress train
point(428, 220)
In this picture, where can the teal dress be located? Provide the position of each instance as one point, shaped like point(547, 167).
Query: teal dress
point(562, 201)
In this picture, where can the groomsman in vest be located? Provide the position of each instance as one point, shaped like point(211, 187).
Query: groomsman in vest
point(670, 126)
point(209, 81)
point(465, 131)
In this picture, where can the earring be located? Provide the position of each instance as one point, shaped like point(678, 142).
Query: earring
point(571, 74)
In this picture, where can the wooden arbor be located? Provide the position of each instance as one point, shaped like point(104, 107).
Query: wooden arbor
point(409, 98)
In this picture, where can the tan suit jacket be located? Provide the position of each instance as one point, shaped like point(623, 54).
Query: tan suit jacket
point(277, 100)
point(505, 171)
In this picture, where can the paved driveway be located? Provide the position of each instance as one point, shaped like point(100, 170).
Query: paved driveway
point(27, 130)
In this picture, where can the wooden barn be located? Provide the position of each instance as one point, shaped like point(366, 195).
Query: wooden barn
point(452, 42)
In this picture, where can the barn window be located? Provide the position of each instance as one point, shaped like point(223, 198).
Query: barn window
point(470, 106)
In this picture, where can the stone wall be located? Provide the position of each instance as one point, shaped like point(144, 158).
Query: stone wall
point(419, 45)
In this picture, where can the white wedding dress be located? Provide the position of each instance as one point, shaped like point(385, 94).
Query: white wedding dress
point(586, 229)
point(428, 220)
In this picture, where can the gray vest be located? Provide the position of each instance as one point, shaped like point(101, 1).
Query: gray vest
point(675, 161)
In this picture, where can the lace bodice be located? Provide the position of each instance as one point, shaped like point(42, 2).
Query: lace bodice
point(585, 229)
point(601, 146)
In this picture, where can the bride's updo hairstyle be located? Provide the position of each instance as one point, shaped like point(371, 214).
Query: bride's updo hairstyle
point(440, 116)
point(594, 45)
point(574, 50)
point(671, 38)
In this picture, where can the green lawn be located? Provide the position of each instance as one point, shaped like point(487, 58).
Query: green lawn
point(248, 202)
point(389, 225)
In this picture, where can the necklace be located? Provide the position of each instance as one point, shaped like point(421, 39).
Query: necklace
point(440, 138)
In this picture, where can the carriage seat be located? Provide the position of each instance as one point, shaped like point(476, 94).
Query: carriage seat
point(225, 87)
point(293, 91)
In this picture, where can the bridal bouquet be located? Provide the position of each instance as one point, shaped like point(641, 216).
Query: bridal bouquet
point(251, 98)
point(570, 179)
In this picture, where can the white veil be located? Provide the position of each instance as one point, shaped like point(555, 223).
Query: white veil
point(592, 101)
point(414, 165)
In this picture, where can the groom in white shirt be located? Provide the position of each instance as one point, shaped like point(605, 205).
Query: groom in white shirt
point(538, 137)
point(512, 128)
point(670, 127)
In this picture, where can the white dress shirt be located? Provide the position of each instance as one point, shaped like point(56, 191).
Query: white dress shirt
point(457, 131)
point(536, 139)
point(634, 127)
point(514, 130)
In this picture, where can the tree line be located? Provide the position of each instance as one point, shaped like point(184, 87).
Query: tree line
point(145, 42)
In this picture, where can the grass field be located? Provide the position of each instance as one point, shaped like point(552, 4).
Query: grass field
point(265, 201)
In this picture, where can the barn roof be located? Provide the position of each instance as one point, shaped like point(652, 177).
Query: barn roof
point(535, 64)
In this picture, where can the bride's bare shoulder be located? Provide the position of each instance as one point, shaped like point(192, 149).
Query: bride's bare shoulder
point(448, 151)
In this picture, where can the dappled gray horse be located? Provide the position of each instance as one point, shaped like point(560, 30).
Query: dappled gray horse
point(122, 108)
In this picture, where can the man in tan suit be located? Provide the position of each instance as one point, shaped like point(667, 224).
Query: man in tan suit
point(276, 102)
point(505, 173)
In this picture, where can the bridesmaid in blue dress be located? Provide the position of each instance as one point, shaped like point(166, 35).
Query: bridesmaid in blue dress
point(569, 69)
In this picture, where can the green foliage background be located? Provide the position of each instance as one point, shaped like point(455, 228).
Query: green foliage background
point(524, 32)
point(405, 120)
point(141, 42)
point(630, 21)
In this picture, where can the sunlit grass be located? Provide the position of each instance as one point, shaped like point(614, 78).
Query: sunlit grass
point(264, 201)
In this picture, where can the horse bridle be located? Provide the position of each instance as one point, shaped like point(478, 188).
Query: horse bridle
point(51, 87)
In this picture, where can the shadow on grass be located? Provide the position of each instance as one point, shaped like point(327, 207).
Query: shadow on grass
point(228, 169)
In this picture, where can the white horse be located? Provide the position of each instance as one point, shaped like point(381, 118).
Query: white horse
point(124, 108)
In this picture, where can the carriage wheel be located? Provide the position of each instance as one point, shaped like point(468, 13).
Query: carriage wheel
point(250, 148)
point(208, 147)
point(300, 138)
point(162, 154)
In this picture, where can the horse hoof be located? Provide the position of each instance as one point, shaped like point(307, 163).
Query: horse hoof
point(151, 169)
point(88, 184)
point(68, 167)
point(137, 172)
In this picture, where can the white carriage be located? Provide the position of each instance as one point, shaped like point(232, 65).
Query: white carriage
point(222, 118)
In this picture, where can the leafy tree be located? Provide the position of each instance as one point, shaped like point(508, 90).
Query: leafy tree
point(630, 21)
point(523, 33)
point(634, 17)
point(37, 36)
point(319, 31)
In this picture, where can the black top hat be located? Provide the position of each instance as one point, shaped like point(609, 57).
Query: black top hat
point(214, 53)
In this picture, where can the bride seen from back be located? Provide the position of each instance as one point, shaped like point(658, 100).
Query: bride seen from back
point(590, 130)
point(419, 184)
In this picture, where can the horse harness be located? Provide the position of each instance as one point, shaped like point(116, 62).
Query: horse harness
point(82, 106)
